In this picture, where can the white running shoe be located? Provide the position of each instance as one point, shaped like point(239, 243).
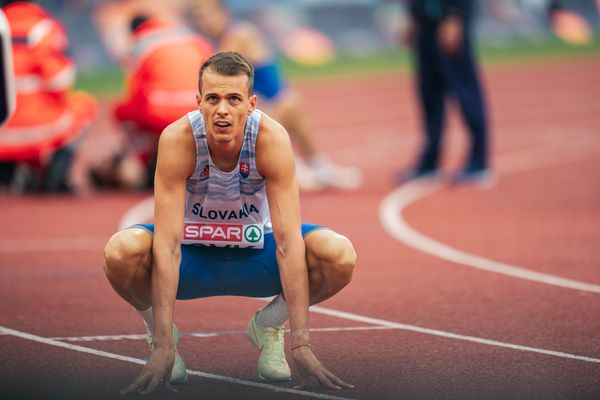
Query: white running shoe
point(272, 365)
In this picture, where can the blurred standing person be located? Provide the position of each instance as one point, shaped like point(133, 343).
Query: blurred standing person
point(284, 103)
point(162, 71)
point(441, 35)
point(43, 133)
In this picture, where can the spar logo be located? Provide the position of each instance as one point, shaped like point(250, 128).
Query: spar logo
point(214, 232)
point(252, 233)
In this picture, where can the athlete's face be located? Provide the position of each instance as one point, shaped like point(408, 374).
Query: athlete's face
point(225, 103)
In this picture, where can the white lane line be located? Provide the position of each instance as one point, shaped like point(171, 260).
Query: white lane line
point(100, 353)
point(393, 206)
point(141, 213)
point(449, 335)
point(209, 334)
point(53, 244)
point(100, 338)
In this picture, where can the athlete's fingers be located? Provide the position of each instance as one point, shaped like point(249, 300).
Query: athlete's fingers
point(169, 387)
point(302, 380)
point(167, 382)
point(154, 382)
point(325, 381)
point(138, 384)
point(337, 380)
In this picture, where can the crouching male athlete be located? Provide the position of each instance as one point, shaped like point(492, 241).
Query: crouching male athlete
point(227, 222)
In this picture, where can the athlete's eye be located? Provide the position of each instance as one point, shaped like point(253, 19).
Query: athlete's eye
point(211, 98)
point(235, 99)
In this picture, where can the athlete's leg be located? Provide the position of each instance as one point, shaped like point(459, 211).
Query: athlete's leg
point(128, 264)
point(331, 260)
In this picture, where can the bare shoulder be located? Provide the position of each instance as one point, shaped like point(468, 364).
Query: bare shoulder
point(178, 131)
point(271, 132)
point(177, 148)
point(273, 146)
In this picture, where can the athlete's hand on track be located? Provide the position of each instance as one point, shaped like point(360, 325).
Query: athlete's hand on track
point(156, 371)
point(307, 365)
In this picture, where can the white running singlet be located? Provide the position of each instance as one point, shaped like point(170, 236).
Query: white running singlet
point(226, 209)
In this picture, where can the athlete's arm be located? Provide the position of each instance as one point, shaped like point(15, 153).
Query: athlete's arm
point(176, 161)
point(275, 162)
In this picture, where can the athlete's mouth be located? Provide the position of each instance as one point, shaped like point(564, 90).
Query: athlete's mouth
point(223, 124)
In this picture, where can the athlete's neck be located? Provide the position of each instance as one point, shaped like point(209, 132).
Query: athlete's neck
point(225, 155)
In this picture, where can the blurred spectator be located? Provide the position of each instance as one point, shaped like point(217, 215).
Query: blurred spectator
point(162, 82)
point(279, 99)
point(441, 35)
point(113, 19)
point(38, 143)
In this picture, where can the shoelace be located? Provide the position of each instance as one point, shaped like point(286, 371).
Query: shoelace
point(274, 341)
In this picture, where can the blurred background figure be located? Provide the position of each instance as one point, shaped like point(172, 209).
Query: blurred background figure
point(161, 67)
point(113, 20)
point(38, 143)
point(441, 36)
point(315, 170)
point(7, 95)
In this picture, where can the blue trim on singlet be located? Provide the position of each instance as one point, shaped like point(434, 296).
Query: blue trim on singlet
point(268, 80)
point(218, 271)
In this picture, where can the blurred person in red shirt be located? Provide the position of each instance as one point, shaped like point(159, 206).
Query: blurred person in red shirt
point(113, 20)
point(39, 141)
point(161, 79)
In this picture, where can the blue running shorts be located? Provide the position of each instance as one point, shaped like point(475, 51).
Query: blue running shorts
point(218, 271)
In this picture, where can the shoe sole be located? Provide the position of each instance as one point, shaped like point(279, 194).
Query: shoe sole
point(262, 378)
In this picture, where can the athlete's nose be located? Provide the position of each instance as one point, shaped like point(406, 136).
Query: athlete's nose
point(222, 108)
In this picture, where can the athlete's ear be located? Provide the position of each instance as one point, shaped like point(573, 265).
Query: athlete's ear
point(198, 99)
point(252, 101)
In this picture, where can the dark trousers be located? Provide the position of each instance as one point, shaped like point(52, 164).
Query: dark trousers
point(438, 76)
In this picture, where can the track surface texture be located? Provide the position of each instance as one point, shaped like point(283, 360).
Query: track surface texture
point(460, 292)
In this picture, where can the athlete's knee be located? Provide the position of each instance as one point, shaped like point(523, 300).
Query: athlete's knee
point(126, 250)
point(345, 261)
point(334, 255)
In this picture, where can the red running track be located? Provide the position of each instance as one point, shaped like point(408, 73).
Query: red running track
point(412, 324)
